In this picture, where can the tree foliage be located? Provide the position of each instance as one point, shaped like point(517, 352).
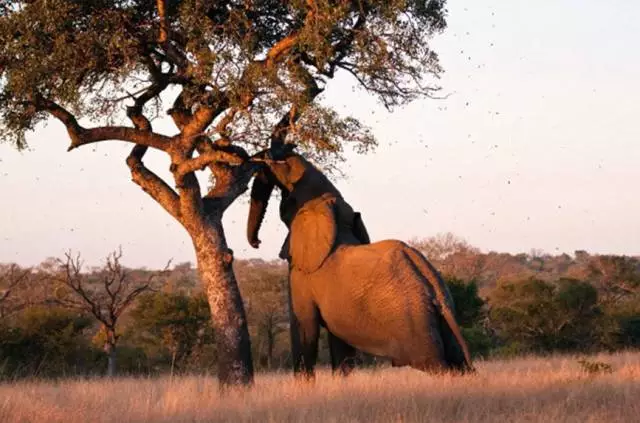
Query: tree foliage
point(177, 323)
point(540, 316)
point(252, 66)
point(264, 287)
point(11, 276)
point(45, 341)
point(467, 301)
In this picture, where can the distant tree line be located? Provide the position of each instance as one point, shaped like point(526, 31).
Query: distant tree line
point(62, 319)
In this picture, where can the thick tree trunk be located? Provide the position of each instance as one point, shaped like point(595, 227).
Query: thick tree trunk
point(227, 310)
point(110, 350)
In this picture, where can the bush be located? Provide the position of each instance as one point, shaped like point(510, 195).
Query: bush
point(541, 317)
point(46, 342)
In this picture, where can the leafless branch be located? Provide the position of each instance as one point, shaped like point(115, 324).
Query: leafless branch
point(105, 294)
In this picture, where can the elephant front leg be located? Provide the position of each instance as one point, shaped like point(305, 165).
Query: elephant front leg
point(343, 355)
point(305, 329)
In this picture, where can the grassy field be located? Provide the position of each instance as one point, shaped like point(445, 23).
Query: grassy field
point(558, 389)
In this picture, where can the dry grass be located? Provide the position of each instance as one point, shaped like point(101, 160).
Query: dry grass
point(521, 390)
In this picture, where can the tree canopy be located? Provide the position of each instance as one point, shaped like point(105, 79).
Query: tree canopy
point(243, 70)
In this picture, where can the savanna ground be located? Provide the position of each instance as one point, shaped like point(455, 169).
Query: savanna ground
point(556, 389)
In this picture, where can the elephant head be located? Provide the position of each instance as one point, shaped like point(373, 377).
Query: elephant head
point(274, 172)
point(311, 206)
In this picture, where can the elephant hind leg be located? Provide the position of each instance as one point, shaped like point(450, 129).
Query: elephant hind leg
point(445, 354)
point(343, 355)
point(453, 353)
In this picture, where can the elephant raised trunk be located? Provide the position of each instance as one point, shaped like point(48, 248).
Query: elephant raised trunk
point(263, 184)
point(260, 193)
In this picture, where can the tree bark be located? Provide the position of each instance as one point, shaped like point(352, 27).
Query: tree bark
point(229, 318)
point(110, 350)
point(270, 345)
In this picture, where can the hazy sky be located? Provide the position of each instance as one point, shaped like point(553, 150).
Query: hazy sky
point(537, 146)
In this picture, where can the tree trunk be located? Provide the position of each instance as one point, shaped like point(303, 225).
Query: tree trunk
point(110, 350)
point(270, 342)
point(227, 310)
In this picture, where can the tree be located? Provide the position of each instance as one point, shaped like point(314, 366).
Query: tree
point(264, 287)
point(44, 341)
point(470, 314)
point(617, 278)
point(467, 301)
point(11, 276)
point(241, 74)
point(452, 255)
point(440, 246)
point(105, 294)
point(178, 322)
point(535, 315)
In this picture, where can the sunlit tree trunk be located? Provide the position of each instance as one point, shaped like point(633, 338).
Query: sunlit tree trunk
point(227, 310)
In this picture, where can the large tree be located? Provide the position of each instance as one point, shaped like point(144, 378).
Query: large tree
point(240, 74)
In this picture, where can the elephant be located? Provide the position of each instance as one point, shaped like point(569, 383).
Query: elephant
point(384, 298)
point(343, 356)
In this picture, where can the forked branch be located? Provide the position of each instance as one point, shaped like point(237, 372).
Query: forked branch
point(105, 294)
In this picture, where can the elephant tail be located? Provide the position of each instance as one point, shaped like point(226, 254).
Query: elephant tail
point(445, 300)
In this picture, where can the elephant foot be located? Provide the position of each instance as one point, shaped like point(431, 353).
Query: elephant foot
point(432, 368)
point(308, 377)
point(345, 368)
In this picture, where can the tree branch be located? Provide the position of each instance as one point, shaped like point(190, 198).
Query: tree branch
point(73, 279)
point(205, 159)
point(224, 194)
point(312, 90)
point(153, 185)
point(205, 115)
point(81, 136)
point(162, 13)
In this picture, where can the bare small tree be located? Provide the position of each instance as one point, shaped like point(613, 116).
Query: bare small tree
point(11, 276)
point(105, 294)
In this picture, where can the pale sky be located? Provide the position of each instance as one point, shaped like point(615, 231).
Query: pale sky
point(537, 146)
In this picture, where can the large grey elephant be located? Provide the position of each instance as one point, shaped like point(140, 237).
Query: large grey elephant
point(343, 356)
point(383, 298)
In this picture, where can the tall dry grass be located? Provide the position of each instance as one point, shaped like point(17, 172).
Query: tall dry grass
point(520, 390)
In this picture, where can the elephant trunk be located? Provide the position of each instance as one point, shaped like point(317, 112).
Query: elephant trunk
point(260, 193)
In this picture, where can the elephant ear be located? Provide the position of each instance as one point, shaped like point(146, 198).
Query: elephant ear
point(313, 233)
